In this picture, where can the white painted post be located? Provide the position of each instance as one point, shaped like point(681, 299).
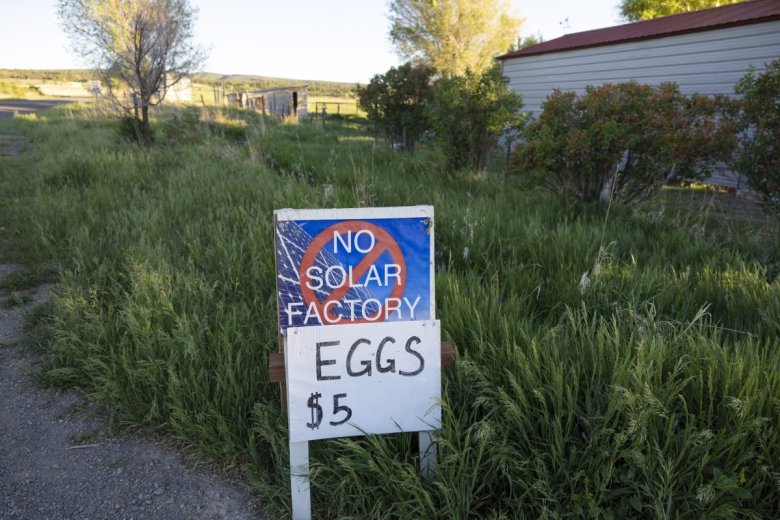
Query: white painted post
point(299, 480)
point(427, 442)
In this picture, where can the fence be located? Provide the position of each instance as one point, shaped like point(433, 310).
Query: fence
point(335, 107)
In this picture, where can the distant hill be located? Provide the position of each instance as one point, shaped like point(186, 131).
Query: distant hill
point(48, 75)
point(230, 81)
point(245, 81)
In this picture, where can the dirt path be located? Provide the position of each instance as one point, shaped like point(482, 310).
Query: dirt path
point(11, 107)
point(57, 462)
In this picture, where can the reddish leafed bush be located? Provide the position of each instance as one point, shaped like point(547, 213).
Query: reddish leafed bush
point(758, 121)
point(619, 141)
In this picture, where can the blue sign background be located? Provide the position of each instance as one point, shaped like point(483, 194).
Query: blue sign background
point(412, 236)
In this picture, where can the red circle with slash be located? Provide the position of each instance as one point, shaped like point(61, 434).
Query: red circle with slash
point(384, 242)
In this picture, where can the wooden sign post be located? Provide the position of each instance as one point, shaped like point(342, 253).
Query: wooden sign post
point(362, 352)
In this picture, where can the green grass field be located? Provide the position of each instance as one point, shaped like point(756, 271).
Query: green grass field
point(620, 364)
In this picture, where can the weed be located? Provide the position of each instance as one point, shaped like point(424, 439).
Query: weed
point(17, 300)
point(87, 437)
point(27, 278)
point(653, 393)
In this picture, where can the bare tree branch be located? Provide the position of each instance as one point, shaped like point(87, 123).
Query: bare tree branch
point(139, 48)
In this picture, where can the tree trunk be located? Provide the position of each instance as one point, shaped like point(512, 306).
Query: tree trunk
point(146, 132)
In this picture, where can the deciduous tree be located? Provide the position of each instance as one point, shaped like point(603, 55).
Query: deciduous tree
point(147, 45)
point(635, 10)
point(396, 103)
point(452, 36)
point(469, 113)
point(526, 41)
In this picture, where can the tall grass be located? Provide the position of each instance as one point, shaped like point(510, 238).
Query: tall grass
point(12, 89)
point(626, 368)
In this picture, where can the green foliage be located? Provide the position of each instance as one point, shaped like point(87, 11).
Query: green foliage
point(16, 300)
point(526, 41)
point(16, 90)
point(620, 141)
point(79, 75)
point(636, 10)
point(758, 119)
point(452, 36)
point(396, 103)
point(129, 128)
point(144, 45)
point(27, 278)
point(646, 389)
point(469, 112)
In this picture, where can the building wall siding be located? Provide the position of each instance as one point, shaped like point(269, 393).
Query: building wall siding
point(708, 62)
point(278, 101)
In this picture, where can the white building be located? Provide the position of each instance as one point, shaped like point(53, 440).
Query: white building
point(278, 101)
point(179, 92)
point(705, 51)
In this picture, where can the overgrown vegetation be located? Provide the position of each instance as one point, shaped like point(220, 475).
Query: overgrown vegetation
point(396, 102)
point(144, 47)
point(758, 119)
point(62, 75)
point(15, 90)
point(465, 115)
point(453, 36)
point(469, 113)
point(620, 367)
point(621, 141)
point(636, 10)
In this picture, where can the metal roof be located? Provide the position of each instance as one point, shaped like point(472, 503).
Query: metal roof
point(743, 13)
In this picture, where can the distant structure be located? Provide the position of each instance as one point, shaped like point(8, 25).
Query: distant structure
point(179, 92)
point(277, 101)
point(704, 52)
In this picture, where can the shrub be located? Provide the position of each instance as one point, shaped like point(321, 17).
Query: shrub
point(129, 129)
point(10, 89)
point(619, 141)
point(758, 120)
point(395, 103)
point(469, 113)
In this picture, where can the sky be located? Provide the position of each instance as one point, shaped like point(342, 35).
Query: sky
point(336, 40)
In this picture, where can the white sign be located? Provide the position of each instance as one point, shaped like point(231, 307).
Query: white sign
point(94, 87)
point(363, 379)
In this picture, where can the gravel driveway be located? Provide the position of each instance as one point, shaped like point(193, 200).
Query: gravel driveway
point(57, 462)
point(10, 107)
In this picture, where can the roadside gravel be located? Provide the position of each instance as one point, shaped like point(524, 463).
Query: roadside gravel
point(57, 461)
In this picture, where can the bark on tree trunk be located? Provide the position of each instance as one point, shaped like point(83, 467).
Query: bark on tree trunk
point(146, 133)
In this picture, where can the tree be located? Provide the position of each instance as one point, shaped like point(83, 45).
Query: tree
point(396, 102)
point(144, 44)
point(469, 113)
point(452, 35)
point(635, 10)
point(526, 41)
point(758, 121)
